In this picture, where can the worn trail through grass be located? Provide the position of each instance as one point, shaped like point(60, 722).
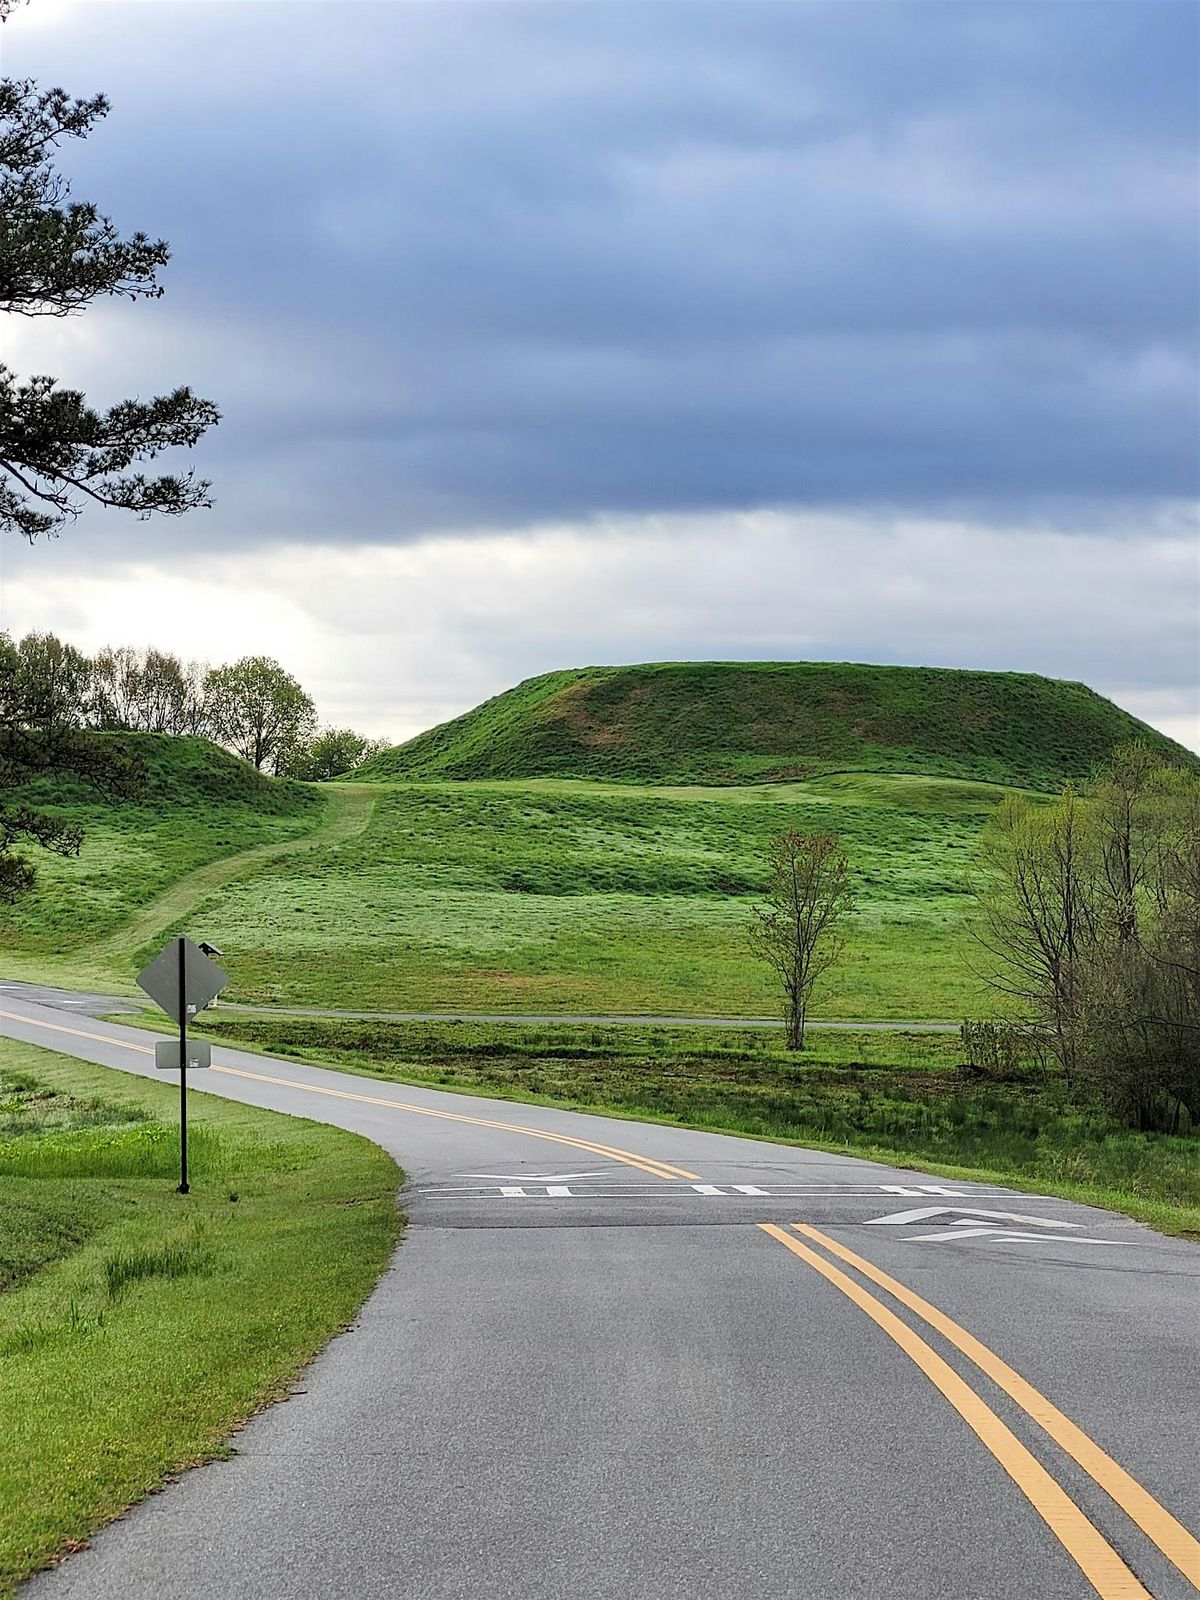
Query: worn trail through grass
point(349, 813)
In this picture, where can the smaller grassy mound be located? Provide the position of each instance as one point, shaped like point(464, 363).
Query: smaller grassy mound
point(139, 1326)
point(905, 1098)
point(731, 722)
point(196, 803)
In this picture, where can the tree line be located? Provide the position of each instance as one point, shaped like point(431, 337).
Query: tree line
point(253, 706)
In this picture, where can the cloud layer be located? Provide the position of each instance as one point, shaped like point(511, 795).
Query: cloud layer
point(453, 265)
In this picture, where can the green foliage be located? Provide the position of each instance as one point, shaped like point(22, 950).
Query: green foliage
point(1088, 915)
point(1000, 1050)
point(772, 722)
point(332, 753)
point(260, 711)
point(39, 741)
point(139, 1326)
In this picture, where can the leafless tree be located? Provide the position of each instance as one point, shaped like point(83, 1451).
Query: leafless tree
point(1088, 911)
point(797, 931)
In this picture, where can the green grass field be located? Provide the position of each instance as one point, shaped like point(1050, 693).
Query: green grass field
point(588, 897)
point(904, 1098)
point(736, 722)
point(139, 1326)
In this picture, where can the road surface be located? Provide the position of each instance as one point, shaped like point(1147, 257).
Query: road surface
point(620, 1362)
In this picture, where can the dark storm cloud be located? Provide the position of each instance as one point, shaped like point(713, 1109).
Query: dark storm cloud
point(469, 265)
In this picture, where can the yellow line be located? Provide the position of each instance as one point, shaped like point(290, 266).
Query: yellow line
point(1171, 1537)
point(1087, 1547)
point(647, 1164)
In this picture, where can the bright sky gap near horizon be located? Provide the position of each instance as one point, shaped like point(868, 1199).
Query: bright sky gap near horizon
point(565, 334)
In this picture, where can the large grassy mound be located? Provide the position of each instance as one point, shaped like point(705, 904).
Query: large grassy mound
point(726, 722)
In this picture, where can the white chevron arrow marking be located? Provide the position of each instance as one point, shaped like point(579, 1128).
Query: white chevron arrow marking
point(924, 1213)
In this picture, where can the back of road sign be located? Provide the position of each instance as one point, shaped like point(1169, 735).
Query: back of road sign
point(203, 980)
point(166, 1054)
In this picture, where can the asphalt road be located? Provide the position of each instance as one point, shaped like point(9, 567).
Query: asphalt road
point(623, 1362)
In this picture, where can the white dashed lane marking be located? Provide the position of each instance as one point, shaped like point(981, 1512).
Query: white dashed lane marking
point(605, 1187)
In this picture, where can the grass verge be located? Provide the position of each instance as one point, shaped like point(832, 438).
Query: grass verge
point(138, 1327)
point(903, 1098)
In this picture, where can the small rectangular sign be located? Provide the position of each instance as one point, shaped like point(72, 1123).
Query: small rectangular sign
point(166, 1054)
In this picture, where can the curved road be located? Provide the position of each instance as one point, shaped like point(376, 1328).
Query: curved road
point(623, 1362)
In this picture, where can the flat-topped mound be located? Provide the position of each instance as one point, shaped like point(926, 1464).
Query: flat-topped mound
point(731, 722)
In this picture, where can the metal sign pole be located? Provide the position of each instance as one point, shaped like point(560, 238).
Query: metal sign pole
point(182, 980)
point(183, 1013)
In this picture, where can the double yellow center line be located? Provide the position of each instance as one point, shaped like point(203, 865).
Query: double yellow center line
point(1105, 1570)
point(647, 1164)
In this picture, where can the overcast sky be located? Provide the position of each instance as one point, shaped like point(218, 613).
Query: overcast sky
point(596, 332)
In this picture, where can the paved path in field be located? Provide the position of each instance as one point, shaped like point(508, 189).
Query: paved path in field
point(614, 1361)
point(99, 1004)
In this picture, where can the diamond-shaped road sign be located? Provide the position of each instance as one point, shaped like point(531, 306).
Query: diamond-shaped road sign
point(203, 980)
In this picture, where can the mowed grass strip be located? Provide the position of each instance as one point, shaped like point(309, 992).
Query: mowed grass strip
point(904, 1098)
point(138, 1327)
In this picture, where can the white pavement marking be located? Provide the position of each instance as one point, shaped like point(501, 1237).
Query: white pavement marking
point(558, 1191)
point(1004, 1236)
point(707, 1188)
point(924, 1213)
point(510, 1193)
point(921, 1188)
point(536, 1177)
point(748, 1188)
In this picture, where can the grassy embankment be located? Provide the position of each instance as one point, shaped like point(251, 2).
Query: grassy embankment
point(139, 1326)
point(511, 872)
point(200, 819)
point(905, 1098)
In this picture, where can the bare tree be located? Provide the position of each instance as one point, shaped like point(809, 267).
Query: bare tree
point(797, 932)
point(1088, 910)
point(57, 679)
point(1035, 910)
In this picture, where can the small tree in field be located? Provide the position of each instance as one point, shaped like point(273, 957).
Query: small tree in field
point(797, 931)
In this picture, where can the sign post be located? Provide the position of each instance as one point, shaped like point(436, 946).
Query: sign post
point(183, 1016)
point(182, 980)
